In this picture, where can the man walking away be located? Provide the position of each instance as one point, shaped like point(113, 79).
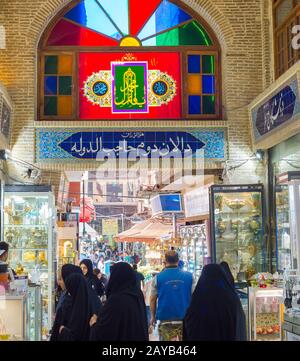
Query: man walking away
point(171, 294)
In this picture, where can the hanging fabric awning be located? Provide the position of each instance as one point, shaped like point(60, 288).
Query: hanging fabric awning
point(147, 231)
point(89, 230)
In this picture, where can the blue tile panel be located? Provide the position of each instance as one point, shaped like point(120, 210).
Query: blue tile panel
point(55, 144)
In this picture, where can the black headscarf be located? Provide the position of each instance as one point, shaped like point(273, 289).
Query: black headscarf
point(68, 269)
point(123, 317)
point(215, 313)
point(63, 311)
point(77, 328)
point(225, 267)
point(96, 287)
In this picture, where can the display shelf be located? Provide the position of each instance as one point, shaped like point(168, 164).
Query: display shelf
point(26, 225)
point(28, 249)
point(28, 220)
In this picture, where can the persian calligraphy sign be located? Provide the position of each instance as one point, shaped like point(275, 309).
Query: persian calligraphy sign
point(130, 87)
point(54, 144)
point(277, 110)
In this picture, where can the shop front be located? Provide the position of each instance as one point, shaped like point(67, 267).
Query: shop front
point(275, 120)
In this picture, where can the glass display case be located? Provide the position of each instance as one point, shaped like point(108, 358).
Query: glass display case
point(242, 291)
point(291, 323)
point(288, 220)
point(266, 313)
point(34, 311)
point(283, 240)
point(237, 228)
point(13, 318)
point(194, 250)
point(29, 231)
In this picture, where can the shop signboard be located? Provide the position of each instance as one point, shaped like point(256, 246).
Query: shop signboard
point(54, 144)
point(277, 110)
point(196, 202)
point(110, 227)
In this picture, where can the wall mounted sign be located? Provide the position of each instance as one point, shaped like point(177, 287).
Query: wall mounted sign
point(118, 86)
point(110, 226)
point(5, 117)
point(54, 144)
point(277, 110)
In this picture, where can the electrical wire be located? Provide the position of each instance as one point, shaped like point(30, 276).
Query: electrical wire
point(14, 179)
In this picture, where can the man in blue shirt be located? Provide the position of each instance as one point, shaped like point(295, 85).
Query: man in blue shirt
point(171, 295)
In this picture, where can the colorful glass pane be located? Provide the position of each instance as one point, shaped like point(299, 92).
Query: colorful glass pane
point(51, 64)
point(208, 64)
point(65, 85)
point(209, 102)
point(140, 14)
point(65, 64)
point(194, 84)
point(188, 34)
point(165, 17)
point(69, 34)
point(118, 12)
point(50, 85)
point(50, 106)
point(88, 13)
point(194, 104)
point(194, 64)
point(64, 105)
point(208, 84)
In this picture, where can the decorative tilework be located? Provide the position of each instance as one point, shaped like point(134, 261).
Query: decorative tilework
point(53, 144)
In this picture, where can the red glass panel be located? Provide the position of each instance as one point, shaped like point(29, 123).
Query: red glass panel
point(69, 34)
point(140, 14)
point(167, 62)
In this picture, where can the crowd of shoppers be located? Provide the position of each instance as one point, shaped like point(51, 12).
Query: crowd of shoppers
point(208, 311)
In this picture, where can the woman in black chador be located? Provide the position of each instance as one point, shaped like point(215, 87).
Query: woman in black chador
point(215, 313)
point(64, 306)
point(225, 267)
point(123, 317)
point(96, 288)
point(77, 327)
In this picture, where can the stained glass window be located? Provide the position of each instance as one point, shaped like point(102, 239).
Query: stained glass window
point(57, 86)
point(106, 23)
point(78, 49)
point(201, 84)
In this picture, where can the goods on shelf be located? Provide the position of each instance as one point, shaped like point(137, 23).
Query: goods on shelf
point(237, 229)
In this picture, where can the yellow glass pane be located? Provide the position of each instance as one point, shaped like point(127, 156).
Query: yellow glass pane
point(130, 41)
point(65, 64)
point(64, 105)
point(194, 84)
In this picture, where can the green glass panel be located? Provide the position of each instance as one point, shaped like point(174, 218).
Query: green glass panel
point(51, 64)
point(209, 103)
point(189, 34)
point(170, 38)
point(50, 106)
point(193, 34)
point(65, 85)
point(208, 64)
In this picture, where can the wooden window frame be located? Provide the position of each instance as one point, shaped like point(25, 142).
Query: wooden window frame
point(284, 29)
point(44, 50)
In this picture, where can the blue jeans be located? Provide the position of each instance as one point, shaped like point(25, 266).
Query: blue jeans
point(148, 314)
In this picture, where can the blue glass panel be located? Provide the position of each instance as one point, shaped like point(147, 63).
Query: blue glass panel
point(118, 11)
point(50, 85)
point(88, 13)
point(194, 64)
point(166, 16)
point(194, 104)
point(208, 84)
